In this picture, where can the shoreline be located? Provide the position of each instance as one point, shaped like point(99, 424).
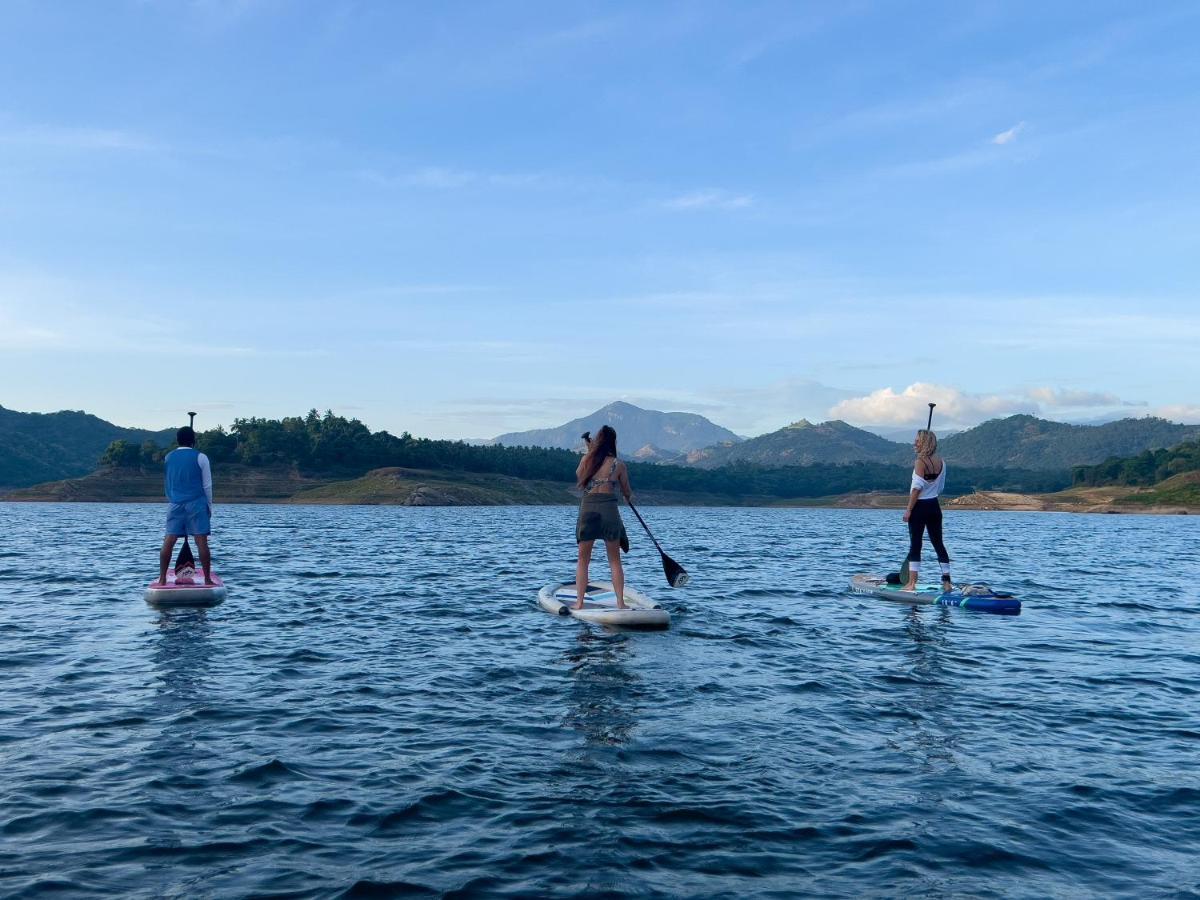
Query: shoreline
point(416, 487)
point(979, 503)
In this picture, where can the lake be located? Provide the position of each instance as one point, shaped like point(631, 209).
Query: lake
point(380, 709)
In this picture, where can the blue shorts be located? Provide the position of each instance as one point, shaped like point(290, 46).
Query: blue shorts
point(188, 518)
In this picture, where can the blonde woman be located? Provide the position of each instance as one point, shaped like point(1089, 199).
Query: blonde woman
point(924, 511)
point(600, 474)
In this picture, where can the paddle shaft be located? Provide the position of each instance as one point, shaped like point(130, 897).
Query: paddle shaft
point(645, 526)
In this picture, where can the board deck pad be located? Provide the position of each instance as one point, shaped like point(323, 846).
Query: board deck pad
point(595, 596)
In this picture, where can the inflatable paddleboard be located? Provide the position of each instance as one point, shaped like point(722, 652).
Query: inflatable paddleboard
point(600, 606)
point(188, 592)
point(978, 597)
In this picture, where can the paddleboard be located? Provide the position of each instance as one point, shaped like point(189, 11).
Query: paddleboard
point(976, 597)
point(600, 606)
point(189, 592)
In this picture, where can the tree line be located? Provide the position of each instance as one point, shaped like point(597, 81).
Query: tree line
point(330, 444)
point(1147, 468)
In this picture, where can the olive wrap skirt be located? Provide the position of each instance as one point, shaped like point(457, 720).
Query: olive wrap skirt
point(600, 520)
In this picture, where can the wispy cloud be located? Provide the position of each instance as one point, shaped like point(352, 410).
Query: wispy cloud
point(711, 199)
point(53, 315)
point(72, 138)
point(1058, 398)
point(1007, 137)
point(1187, 413)
point(445, 178)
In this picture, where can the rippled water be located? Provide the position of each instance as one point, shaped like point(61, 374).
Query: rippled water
point(380, 709)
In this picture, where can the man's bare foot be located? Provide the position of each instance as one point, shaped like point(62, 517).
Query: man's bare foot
point(911, 586)
point(578, 605)
point(209, 582)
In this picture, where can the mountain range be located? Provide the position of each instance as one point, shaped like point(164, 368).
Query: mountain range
point(641, 433)
point(40, 447)
point(1019, 441)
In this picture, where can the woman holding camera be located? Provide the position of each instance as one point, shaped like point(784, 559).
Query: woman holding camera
point(600, 474)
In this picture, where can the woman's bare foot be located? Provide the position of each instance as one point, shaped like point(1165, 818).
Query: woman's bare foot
point(911, 586)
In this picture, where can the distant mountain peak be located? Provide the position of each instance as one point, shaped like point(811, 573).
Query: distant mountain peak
point(666, 432)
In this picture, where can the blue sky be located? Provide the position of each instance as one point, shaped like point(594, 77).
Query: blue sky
point(461, 219)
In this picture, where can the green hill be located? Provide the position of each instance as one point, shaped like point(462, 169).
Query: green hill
point(1030, 443)
point(37, 447)
point(1178, 490)
point(1150, 467)
point(805, 444)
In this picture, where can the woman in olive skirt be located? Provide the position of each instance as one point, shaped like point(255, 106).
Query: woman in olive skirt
point(600, 474)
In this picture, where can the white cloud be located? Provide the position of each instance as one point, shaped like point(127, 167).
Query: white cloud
point(709, 199)
point(960, 409)
point(1007, 137)
point(911, 406)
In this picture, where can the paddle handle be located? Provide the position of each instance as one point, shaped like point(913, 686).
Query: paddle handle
point(929, 423)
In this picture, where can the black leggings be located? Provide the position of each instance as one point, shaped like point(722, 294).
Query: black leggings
point(926, 514)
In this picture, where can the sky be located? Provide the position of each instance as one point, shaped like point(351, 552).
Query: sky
point(461, 219)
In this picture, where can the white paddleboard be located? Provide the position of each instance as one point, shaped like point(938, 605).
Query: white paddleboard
point(193, 592)
point(600, 606)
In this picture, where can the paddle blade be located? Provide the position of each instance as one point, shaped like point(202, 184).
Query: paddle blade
point(676, 576)
point(904, 572)
point(185, 563)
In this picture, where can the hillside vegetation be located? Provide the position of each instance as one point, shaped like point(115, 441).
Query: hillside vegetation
point(805, 444)
point(1028, 442)
point(1173, 475)
point(37, 447)
point(331, 449)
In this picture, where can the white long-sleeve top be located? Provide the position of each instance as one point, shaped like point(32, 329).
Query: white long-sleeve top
point(205, 476)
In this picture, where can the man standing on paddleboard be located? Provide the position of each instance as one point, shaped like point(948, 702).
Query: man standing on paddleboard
point(189, 491)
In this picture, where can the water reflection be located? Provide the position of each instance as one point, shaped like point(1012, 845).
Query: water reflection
point(932, 695)
point(604, 693)
point(182, 660)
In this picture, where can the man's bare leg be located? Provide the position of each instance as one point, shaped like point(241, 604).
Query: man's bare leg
point(205, 557)
point(164, 556)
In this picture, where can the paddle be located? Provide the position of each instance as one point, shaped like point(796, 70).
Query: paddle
point(185, 560)
point(904, 571)
point(676, 576)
